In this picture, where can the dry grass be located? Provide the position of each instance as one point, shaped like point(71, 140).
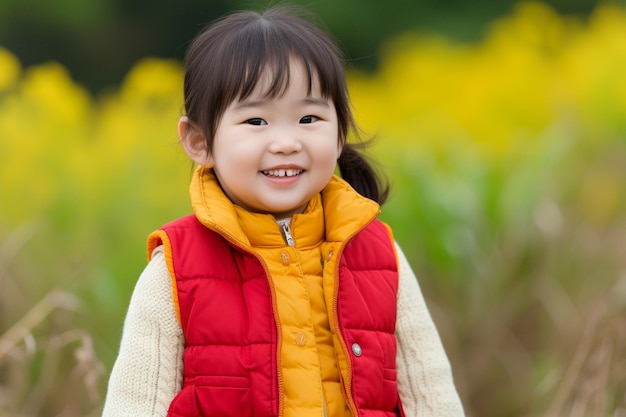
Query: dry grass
point(48, 365)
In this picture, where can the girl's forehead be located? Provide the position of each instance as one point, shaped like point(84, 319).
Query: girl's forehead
point(274, 80)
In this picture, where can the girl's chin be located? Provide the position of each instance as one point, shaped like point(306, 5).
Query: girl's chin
point(283, 212)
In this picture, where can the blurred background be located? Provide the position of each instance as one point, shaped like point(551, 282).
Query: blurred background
point(501, 126)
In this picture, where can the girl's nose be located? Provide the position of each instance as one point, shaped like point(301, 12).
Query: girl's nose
point(285, 141)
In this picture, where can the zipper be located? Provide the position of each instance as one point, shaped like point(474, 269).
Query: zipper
point(346, 351)
point(285, 226)
point(348, 383)
point(279, 335)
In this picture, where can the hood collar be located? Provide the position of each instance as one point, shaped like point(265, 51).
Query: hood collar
point(333, 215)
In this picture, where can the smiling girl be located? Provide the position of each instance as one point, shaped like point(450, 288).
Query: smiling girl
point(282, 295)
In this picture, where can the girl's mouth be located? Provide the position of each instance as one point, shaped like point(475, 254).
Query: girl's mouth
point(283, 172)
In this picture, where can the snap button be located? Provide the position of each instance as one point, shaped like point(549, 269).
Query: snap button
point(284, 257)
point(330, 255)
point(300, 339)
point(356, 349)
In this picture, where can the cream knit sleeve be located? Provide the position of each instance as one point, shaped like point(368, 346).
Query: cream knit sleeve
point(424, 376)
point(148, 371)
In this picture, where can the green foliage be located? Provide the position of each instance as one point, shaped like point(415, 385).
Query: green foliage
point(507, 161)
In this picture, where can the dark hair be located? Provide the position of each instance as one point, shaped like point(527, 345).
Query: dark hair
point(228, 58)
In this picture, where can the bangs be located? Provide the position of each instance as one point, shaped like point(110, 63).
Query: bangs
point(261, 50)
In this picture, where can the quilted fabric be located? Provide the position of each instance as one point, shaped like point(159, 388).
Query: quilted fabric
point(226, 306)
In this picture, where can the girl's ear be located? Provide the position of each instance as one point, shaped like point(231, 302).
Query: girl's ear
point(194, 143)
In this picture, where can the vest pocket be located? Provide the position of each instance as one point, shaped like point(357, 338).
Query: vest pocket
point(389, 389)
point(224, 396)
point(227, 396)
point(390, 374)
point(227, 381)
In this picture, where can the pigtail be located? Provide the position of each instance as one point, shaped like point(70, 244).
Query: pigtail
point(358, 172)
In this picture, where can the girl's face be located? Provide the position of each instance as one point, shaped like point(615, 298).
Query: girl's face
point(271, 155)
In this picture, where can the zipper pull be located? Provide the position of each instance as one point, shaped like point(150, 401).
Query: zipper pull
point(285, 226)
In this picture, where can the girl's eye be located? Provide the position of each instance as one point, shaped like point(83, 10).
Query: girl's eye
point(309, 119)
point(256, 121)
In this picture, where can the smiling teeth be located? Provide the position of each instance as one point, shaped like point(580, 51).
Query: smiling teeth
point(282, 172)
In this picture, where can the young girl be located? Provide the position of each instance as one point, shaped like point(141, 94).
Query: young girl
point(282, 295)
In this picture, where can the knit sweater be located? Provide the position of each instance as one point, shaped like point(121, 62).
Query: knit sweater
point(148, 371)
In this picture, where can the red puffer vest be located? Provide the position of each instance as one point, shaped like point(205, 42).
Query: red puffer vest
point(225, 306)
